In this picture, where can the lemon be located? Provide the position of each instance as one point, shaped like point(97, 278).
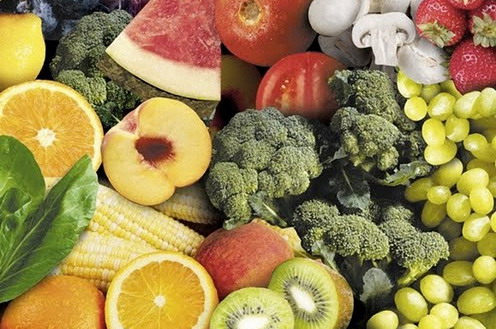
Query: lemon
point(22, 48)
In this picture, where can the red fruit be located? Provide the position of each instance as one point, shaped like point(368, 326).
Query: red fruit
point(261, 32)
point(473, 67)
point(482, 24)
point(466, 4)
point(297, 84)
point(440, 22)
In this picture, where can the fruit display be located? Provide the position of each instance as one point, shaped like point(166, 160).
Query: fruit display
point(248, 164)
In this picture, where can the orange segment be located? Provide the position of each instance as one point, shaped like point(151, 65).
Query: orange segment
point(161, 290)
point(54, 121)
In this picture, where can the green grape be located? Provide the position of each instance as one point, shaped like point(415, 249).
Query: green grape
point(489, 167)
point(433, 132)
point(484, 269)
point(493, 222)
point(411, 304)
point(466, 322)
point(430, 321)
point(492, 185)
point(488, 319)
point(476, 227)
point(438, 155)
point(464, 106)
point(493, 143)
point(483, 124)
point(430, 91)
point(487, 246)
point(408, 326)
point(486, 103)
point(476, 300)
point(441, 106)
point(417, 191)
point(406, 86)
point(449, 87)
point(415, 108)
point(383, 320)
point(449, 173)
point(489, 133)
point(456, 129)
point(438, 194)
point(436, 289)
point(471, 179)
point(480, 148)
point(459, 273)
point(447, 313)
point(450, 229)
point(462, 249)
point(433, 214)
point(458, 207)
point(481, 200)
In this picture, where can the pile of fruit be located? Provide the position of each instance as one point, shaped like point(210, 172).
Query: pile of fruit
point(318, 164)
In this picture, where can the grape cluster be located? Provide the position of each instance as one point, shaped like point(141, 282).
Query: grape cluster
point(458, 201)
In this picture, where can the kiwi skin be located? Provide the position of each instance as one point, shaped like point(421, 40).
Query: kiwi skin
point(337, 288)
point(258, 301)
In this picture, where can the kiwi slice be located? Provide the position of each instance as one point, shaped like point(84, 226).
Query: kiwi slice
point(253, 308)
point(319, 296)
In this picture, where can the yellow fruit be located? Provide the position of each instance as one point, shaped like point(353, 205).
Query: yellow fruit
point(161, 290)
point(57, 302)
point(54, 121)
point(22, 50)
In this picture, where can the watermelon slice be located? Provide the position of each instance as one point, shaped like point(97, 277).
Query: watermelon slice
point(174, 46)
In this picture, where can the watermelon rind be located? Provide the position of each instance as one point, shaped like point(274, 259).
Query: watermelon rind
point(172, 76)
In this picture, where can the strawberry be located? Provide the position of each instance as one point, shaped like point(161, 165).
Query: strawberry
point(440, 22)
point(473, 67)
point(482, 24)
point(466, 4)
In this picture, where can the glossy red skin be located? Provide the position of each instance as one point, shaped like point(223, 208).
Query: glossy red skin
point(472, 4)
point(298, 84)
point(489, 8)
point(242, 257)
point(282, 29)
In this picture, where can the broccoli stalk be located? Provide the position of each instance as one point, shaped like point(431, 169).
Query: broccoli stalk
point(75, 63)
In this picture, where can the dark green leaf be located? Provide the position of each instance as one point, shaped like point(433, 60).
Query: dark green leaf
point(50, 234)
point(351, 188)
point(406, 173)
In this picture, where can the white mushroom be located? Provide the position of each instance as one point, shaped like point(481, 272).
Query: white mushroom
point(343, 49)
point(389, 6)
point(384, 33)
point(423, 62)
point(333, 17)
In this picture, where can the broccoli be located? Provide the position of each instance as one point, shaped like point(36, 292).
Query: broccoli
point(371, 92)
point(259, 157)
point(75, 62)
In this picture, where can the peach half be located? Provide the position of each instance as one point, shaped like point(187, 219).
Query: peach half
point(161, 145)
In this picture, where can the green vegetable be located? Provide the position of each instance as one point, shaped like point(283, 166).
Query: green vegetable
point(259, 157)
point(374, 133)
point(36, 234)
point(75, 64)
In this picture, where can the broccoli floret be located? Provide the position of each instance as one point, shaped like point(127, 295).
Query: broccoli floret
point(321, 224)
point(281, 153)
point(75, 62)
point(367, 136)
point(413, 250)
point(371, 92)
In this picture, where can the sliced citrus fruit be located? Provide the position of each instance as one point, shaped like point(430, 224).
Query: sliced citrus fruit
point(54, 121)
point(161, 290)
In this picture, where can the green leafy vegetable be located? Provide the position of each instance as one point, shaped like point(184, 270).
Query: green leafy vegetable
point(36, 234)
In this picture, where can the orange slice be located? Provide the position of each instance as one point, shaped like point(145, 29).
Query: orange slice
point(161, 290)
point(54, 121)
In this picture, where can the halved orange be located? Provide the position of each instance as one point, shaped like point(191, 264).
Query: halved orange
point(54, 121)
point(161, 290)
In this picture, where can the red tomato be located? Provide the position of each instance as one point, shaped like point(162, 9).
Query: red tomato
point(298, 84)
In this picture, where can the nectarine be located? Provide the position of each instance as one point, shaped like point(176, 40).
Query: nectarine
point(161, 145)
point(242, 257)
point(263, 31)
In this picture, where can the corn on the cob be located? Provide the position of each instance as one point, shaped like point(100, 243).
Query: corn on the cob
point(115, 215)
point(191, 204)
point(97, 257)
point(289, 234)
